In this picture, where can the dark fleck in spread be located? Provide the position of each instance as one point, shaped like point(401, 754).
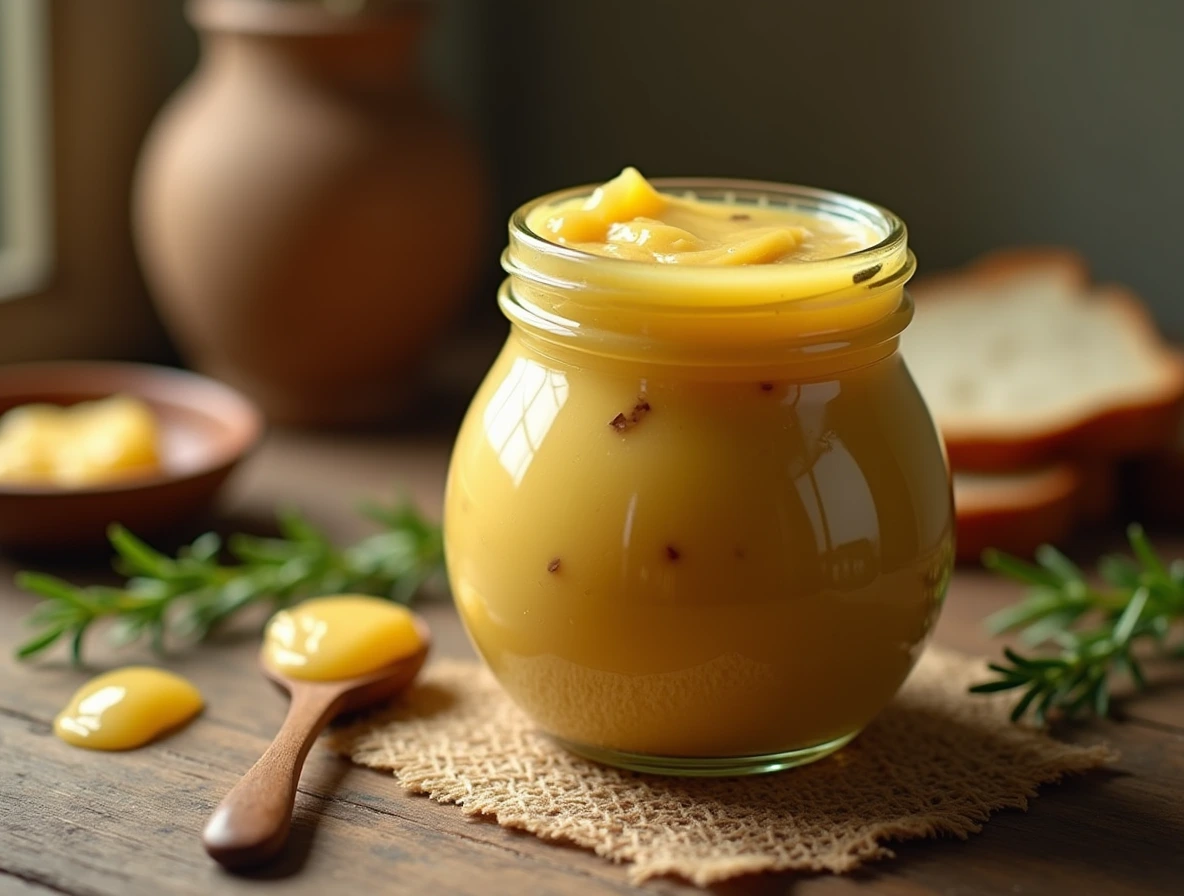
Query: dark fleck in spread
point(621, 422)
point(672, 553)
point(553, 566)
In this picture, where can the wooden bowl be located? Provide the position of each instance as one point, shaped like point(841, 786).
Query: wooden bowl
point(206, 429)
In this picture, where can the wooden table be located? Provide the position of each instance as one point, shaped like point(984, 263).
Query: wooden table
point(126, 824)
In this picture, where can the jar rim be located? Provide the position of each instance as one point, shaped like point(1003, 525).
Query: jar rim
point(724, 315)
point(733, 191)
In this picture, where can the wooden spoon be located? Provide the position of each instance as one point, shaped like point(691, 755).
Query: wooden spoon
point(251, 823)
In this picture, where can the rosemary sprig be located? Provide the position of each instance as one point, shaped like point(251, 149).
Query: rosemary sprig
point(1094, 630)
point(190, 595)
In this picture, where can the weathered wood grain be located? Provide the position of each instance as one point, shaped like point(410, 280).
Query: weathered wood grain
point(10, 885)
point(128, 824)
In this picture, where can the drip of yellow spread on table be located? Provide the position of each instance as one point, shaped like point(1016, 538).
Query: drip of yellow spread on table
point(90, 443)
point(627, 218)
point(127, 708)
point(341, 636)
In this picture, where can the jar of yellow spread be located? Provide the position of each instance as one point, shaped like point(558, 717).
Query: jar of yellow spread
point(698, 519)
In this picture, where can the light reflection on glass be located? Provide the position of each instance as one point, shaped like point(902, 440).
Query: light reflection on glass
point(521, 412)
point(835, 494)
point(837, 498)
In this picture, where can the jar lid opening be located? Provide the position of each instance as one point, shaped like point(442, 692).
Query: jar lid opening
point(531, 252)
point(563, 293)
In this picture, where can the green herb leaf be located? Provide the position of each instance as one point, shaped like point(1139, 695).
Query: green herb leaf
point(1058, 564)
point(1143, 600)
point(39, 643)
point(187, 597)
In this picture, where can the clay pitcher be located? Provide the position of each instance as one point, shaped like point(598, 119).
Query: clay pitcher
point(306, 215)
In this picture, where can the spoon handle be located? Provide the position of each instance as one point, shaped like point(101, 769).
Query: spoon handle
point(251, 823)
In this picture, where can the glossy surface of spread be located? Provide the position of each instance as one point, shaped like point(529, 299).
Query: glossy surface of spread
point(341, 636)
point(627, 218)
point(700, 517)
point(127, 708)
point(86, 444)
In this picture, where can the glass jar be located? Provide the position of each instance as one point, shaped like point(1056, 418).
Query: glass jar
point(698, 519)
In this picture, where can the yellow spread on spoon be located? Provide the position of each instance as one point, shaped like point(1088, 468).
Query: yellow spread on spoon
point(127, 708)
point(342, 636)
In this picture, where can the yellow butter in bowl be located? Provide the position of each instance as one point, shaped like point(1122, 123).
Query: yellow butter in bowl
point(86, 444)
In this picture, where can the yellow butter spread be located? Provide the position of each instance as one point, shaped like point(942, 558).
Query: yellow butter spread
point(342, 636)
point(86, 444)
point(627, 218)
point(127, 708)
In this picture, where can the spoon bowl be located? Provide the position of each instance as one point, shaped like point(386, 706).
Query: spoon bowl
point(364, 691)
point(251, 824)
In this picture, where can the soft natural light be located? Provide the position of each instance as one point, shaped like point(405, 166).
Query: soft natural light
point(25, 213)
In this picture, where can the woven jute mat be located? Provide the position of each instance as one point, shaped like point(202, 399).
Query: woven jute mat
point(937, 761)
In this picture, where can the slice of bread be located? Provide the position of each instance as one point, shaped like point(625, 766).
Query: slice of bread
point(1016, 512)
point(1023, 362)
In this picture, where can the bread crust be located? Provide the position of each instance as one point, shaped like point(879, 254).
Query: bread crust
point(1102, 430)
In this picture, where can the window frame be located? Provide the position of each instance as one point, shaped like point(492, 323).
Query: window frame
point(26, 200)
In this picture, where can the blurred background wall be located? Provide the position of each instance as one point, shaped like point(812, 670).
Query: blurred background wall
point(982, 124)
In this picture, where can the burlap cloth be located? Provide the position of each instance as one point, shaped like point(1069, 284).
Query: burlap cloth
point(937, 761)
